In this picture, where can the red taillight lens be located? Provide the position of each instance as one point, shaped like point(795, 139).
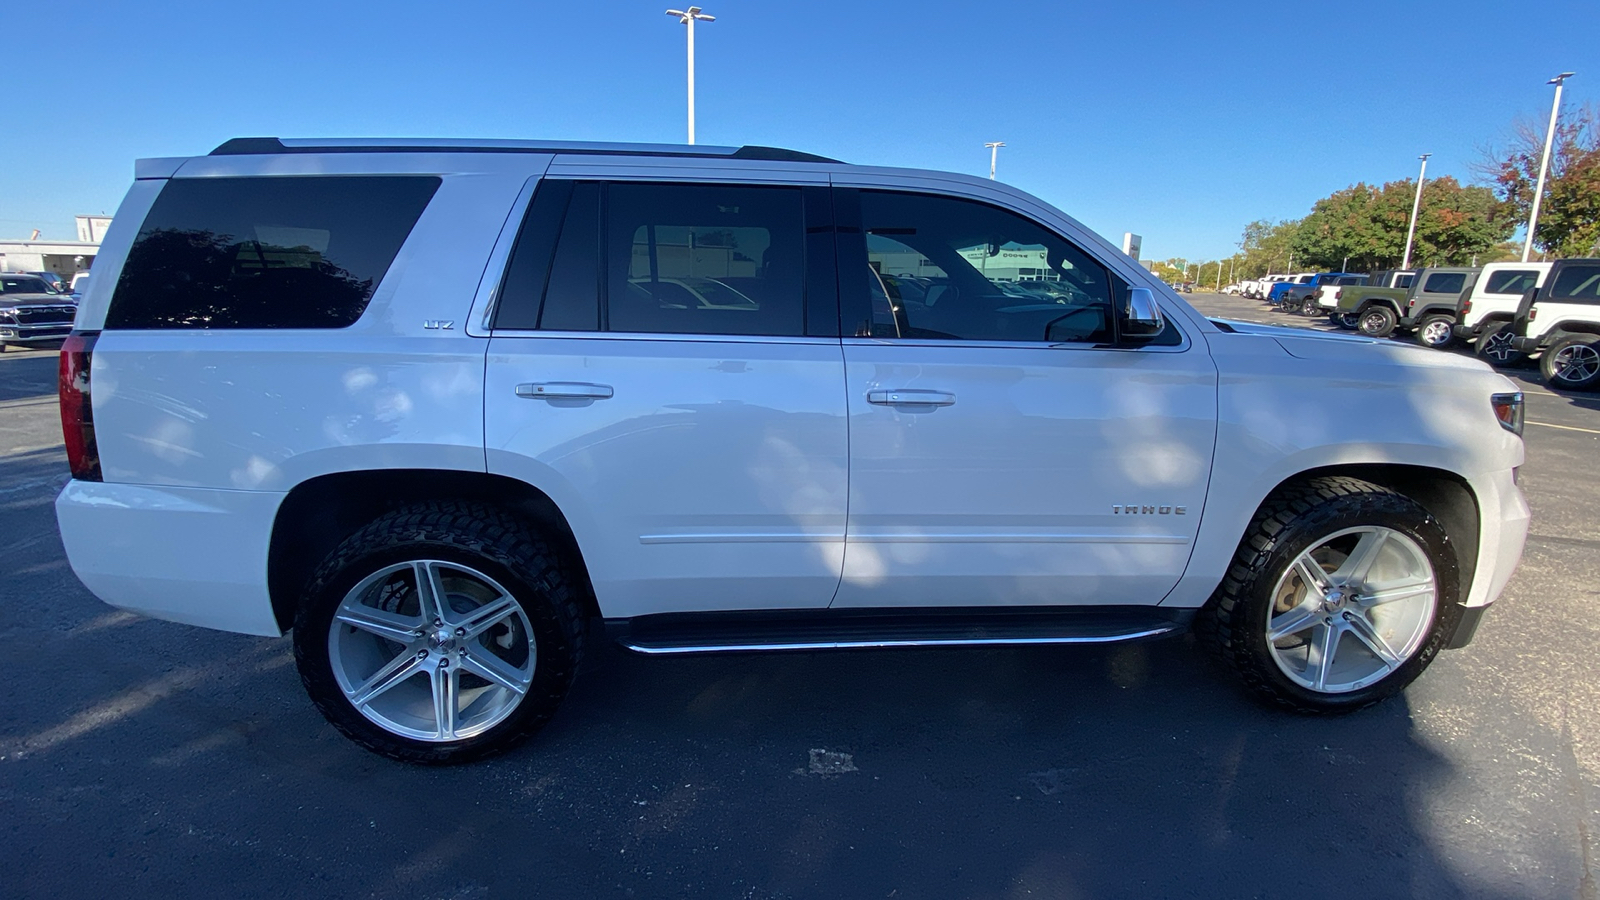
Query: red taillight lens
point(77, 414)
point(1533, 313)
point(1466, 307)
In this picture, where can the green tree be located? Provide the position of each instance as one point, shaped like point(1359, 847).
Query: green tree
point(1364, 227)
point(1569, 217)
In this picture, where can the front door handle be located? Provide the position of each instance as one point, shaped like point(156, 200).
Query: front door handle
point(565, 390)
point(911, 398)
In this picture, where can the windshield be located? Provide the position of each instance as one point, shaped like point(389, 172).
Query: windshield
point(24, 284)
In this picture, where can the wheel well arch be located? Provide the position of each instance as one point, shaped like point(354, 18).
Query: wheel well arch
point(1573, 327)
point(1444, 494)
point(1379, 301)
point(319, 513)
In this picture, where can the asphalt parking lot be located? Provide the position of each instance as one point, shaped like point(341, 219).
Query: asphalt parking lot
point(145, 758)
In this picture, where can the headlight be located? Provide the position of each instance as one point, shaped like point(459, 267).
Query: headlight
point(1509, 410)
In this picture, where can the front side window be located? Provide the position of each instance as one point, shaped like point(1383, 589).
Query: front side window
point(1579, 284)
point(1445, 283)
point(1511, 281)
point(268, 252)
point(705, 259)
point(949, 269)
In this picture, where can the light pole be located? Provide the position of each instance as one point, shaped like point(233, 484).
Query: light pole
point(994, 154)
point(1416, 204)
point(1544, 164)
point(689, 17)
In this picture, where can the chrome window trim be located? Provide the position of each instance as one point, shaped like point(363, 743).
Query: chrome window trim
point(663, 336)
point(481, 317)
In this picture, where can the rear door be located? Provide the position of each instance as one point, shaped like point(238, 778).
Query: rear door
point(665, 364)
point(1004, 448)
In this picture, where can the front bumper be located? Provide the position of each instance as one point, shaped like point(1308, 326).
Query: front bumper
point(34, 334)
point(191, 555)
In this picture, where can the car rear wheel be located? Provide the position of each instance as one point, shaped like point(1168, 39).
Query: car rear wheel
point(1495, 348)
point(1340, 595)
point(1436, 331)
point(1347, 321)
point(439, 633)
point(1377, 321)
point(1572, 363)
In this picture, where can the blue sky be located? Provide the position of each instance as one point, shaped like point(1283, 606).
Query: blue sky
point(1180, 121)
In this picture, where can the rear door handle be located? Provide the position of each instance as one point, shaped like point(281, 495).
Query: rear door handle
point(911, 398)
point(565, 390)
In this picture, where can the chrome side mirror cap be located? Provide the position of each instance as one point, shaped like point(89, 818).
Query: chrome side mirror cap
point(1141, 316)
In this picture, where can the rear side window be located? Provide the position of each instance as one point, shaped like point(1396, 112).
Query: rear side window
point(1445, 283)
point(1511, 281)
point(1404, 281)
point(705, 259)
point(1577, 283)
point(269, 252)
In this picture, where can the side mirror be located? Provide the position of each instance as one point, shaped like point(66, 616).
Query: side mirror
point(1141, 317)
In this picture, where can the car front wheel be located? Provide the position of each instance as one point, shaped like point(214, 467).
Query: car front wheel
point(1340, 595)
point(439, 633)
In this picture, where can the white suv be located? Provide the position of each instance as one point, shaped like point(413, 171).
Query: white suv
point(439, 407)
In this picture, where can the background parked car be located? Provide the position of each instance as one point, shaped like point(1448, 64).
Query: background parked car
point(1562, 321)
point(1295, 298)
point(1427, 306)
point(1484, 314)
point(31, 313)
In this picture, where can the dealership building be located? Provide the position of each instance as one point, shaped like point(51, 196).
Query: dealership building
point(65, 258)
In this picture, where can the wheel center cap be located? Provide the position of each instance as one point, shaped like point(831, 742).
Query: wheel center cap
point(1333, 601)
point(442, 638)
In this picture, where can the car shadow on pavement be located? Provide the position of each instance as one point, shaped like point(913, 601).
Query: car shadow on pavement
point(189, 757)
point(26, 375)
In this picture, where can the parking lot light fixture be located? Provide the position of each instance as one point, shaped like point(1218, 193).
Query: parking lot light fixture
point(994, 154)
point(689, 17)
point(1416, 206)
point(1544, 163)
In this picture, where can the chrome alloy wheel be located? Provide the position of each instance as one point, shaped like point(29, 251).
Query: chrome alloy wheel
point(1437, 333)
point(1576, 363)
point(432, 650)
point(1351, 609)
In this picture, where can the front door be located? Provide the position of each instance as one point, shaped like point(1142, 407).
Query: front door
point(652, 370)
point(1005, 449)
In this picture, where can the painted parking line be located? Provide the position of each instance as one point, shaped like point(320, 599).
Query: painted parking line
point(1565, 427)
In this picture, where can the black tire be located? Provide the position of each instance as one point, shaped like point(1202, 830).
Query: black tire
point(1289, 523)
point(1494, 346)
point(1377, 321)
point(1572, 363)
point(1347, 321)
point(487, 540)
point(1434, 331)
point(1290, 305)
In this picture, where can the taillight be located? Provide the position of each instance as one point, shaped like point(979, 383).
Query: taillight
point(1466, 307)
point(1533, 313)
point(77, 413)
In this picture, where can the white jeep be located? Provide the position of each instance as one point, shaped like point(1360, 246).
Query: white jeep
point(441, 407)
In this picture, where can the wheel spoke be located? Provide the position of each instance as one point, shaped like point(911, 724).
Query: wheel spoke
point(430, 592)
point(380, 622)
point(1312, 573)
point(495, 670)
point(1362, 628)
point(1392, 593)
point(446, 698)
point(489, 615)
point(1358, 566)
point(1294, 621)
point(1319, 659)
point(392, 673)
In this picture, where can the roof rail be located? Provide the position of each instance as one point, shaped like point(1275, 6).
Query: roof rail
point(265, 145)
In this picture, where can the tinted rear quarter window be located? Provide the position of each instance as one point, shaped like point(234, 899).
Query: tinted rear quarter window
point(1580, 284)
point(1510, 281)
point(1445, 283)
point(267, 252)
